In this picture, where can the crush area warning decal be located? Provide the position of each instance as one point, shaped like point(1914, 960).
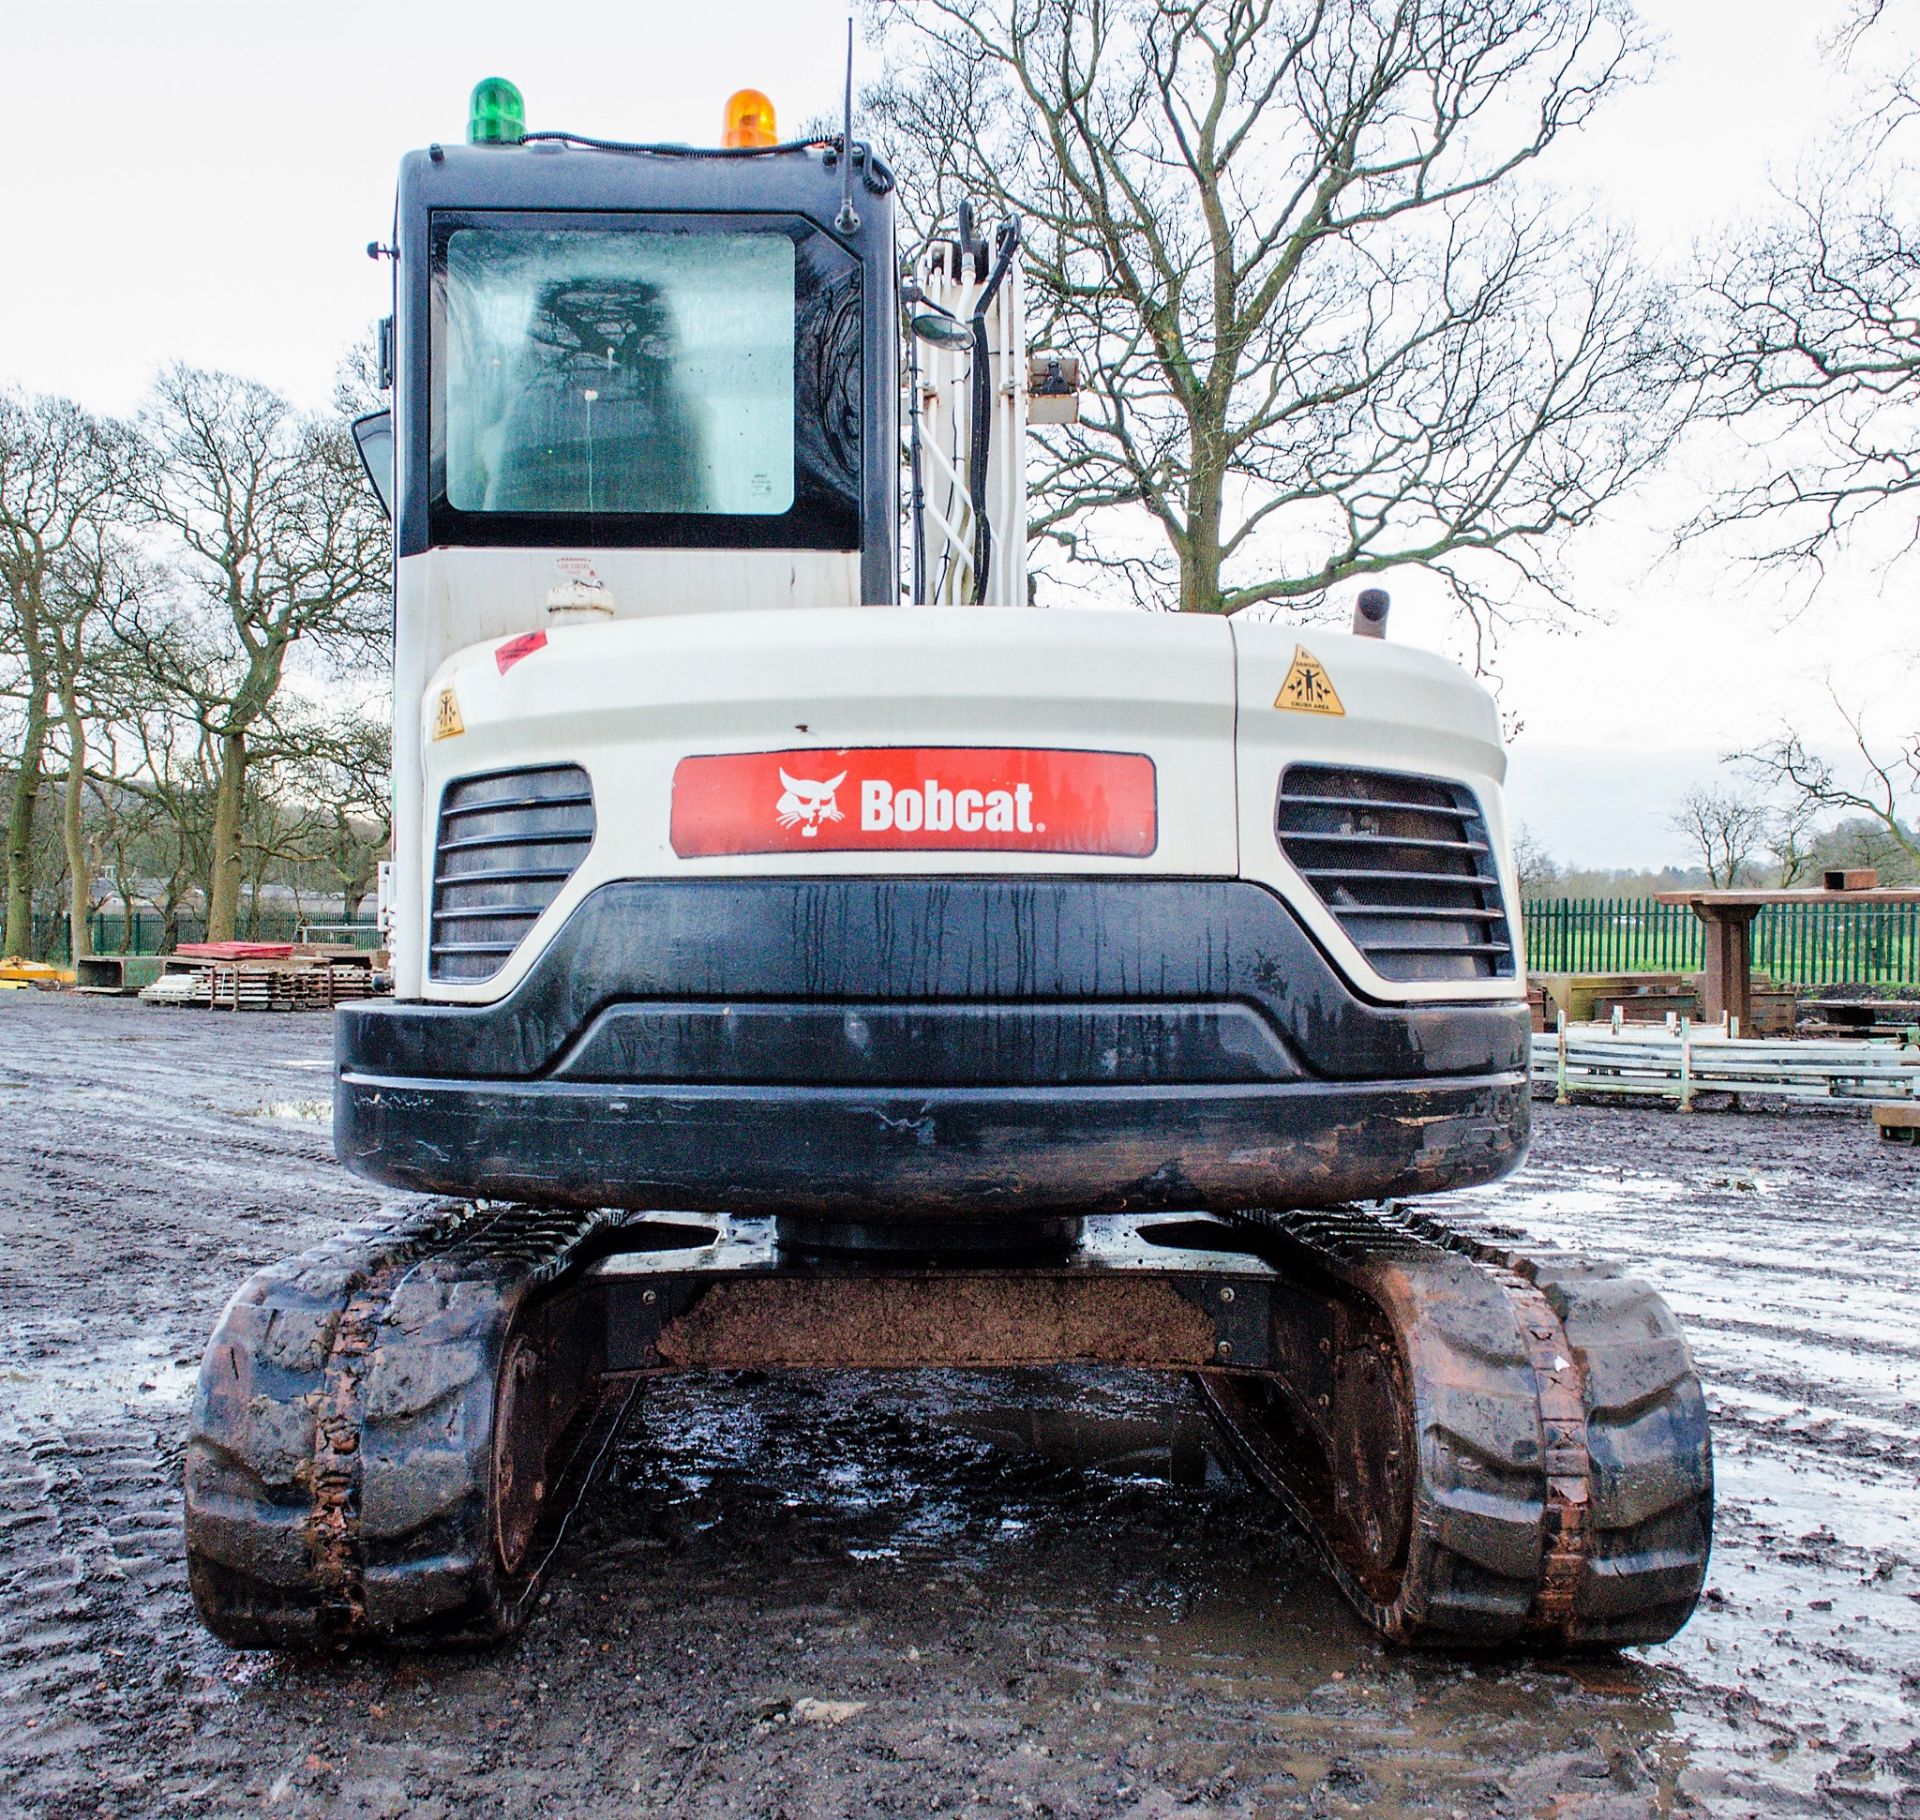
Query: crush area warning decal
point(891, 799)
point(446, 716)
point(1308, 688)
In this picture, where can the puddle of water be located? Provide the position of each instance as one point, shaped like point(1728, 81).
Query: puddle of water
point(916, 1465)
point(96, 1385)
point(1094, 1514)
point(1519, 1200)
point(302, 1112)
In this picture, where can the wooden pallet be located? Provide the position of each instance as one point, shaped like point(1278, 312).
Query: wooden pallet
point(1898, 1124)
point(300, 982)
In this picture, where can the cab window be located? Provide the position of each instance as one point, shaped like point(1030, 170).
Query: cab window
point(643, 380)
point(619, 371)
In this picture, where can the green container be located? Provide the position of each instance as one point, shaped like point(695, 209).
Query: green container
point(118, 975)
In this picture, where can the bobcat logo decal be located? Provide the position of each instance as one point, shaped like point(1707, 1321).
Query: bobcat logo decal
point(876, 800)
point(804, 801)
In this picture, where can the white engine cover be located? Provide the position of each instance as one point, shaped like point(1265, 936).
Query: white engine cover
point(630, 700)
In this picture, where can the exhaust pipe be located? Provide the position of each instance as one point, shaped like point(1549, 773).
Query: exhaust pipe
point(1370, 613)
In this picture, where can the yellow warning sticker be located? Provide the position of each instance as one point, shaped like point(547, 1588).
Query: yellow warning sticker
point(1308, 688)
point(446, 717)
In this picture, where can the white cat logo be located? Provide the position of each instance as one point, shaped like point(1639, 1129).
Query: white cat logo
point(808, 802)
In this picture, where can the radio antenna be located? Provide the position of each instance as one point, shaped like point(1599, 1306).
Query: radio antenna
point(847, 221)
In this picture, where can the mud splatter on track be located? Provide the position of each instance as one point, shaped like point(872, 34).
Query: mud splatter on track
point(1027, 1593)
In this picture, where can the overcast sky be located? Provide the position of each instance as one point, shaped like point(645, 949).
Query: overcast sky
point(196, 179)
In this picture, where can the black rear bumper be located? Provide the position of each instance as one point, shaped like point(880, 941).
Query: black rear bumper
point(909, 1047)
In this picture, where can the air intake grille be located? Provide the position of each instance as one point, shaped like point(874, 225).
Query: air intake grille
point(1405, 864)
point(508, 842)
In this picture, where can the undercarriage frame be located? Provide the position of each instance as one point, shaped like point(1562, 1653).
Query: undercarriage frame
point(1488, 1449)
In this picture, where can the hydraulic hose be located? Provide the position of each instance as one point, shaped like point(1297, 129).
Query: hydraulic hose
point(980, 430)
point(918, 492)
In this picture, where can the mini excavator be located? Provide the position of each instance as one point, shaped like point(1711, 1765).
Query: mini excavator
point(809, 954)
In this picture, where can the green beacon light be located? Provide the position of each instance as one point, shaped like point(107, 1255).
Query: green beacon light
point(496, 115)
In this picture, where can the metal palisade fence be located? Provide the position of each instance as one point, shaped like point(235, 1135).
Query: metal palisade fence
point(111, 933)
point(1793, 944)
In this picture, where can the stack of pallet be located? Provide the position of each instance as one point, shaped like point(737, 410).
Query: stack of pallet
point(1649, 998)
point(263, 976)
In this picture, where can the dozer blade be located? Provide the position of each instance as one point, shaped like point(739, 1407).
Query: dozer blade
point(391, 1430)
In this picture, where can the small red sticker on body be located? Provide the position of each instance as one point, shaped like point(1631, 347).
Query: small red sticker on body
point(945, 799)
point(510, 653)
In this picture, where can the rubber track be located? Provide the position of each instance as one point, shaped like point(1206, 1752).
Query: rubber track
point(1648, 1438)
point(1564, 1493)
point(339, 1455)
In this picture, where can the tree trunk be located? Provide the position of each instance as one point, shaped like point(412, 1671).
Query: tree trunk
point(73, 832)
point(43, 949)
point(223, 887)
point(25, 795)
point(1200, 554)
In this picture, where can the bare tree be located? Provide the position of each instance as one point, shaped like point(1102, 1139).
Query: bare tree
point(1792, 841)
point(348, 781)
point(1808, 344)
point(60, 473)
point(1537, 869)
point(1860, 19)
point(1726, 829)
point(1327, 329)
point(1812, 347)
point(123, 823)
point(96, 579)
point(171, 828)
point(1806, 339)
point(280, 543)
point(1863, 841)
point(1886, 791)
point(276, 823)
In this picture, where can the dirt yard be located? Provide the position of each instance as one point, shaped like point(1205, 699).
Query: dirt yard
point(1028, 1594)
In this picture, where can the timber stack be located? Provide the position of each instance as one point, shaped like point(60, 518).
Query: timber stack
point(266, 976)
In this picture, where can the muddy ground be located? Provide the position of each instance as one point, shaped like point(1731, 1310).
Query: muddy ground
point(1029, 1594)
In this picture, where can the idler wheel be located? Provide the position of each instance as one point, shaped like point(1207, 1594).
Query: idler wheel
point(520, 1441)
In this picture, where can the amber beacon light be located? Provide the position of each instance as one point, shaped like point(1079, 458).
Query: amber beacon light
point(749, 120)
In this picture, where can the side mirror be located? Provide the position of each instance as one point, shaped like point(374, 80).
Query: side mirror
point(373, 437)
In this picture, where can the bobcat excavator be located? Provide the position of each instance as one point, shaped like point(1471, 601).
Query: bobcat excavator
point(797, 971)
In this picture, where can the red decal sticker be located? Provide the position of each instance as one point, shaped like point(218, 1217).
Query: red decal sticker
point(943, 799)
point(510, 653)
